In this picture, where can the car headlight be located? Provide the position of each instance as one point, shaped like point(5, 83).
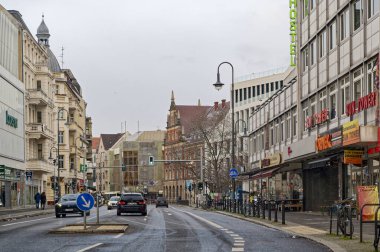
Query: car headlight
point(59, 205)
point(109, 203)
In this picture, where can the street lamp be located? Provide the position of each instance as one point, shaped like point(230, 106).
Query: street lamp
point(82, 138)
point(58, 143)
point(55, 162)
point(218, 85)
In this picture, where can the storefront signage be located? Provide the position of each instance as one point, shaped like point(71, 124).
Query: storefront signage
point(351, 132)
point(10, 120)
point(317, 118)
point(273, 160)
point(293, 31)
point(330, 139)
point(353, 157)
point(368, 195)
point(5, 172)
point(363, 103)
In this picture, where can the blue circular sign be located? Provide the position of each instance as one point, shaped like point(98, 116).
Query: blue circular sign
point(233, 173)
point(85, 201)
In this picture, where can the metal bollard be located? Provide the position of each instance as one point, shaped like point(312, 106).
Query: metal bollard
point(269, 210)
point(331, 219)
point(283, 212)
point(264, 206)
point(275, 211)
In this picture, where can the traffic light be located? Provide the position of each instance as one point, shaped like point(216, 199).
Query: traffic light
point(151, 160)
point(123, 167)
point(200, 186)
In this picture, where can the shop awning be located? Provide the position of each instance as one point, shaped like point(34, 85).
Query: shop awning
point(290, 167)
point(265, 174)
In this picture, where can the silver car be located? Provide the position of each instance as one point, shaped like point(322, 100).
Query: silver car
point(112, 203)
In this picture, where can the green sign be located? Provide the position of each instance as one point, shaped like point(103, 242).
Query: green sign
point(83, 168)
point(5, 172)
point(10, 120)
point(293, 31)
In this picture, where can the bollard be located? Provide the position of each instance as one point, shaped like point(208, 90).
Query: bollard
point(269, 210)
point(275, 211)
point(283, 212)
point(331, 219)
point(350, 216)
point(264, 205)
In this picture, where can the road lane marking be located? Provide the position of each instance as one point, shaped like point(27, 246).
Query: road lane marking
point(202, 219)
point(118, 236)
point(90, 247)
point(237, 249)
point(169, 214)
point(21, 222)
point(229, 232)
point(238, 244)
point(234, 235)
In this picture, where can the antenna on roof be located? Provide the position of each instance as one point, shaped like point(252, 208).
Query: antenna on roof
point(61, 56)
point(138, 126)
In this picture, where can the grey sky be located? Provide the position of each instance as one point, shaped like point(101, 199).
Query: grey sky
point(128, 55)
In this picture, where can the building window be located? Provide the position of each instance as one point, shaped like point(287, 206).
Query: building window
point(267, 87)
point(333, 102)
point(357, 14)
point(236, 95)
point(322, 44)
point(371, 76)
point(275, 134)
point(373, 7)
point(313, 106)
point(39, 117)
point(322, 100)
point(262, 89)
point(288, 128)
point(60, 137)
point(253, 91)
point(344, 24)
point(357, 84)
point(282, 131)
point(61, 111)
point(72, 163)
point(294, 125)
point(249, 93)
point(313, 53)
point(258, 90)
point(281, 84)
point(39, 147)
point(245, 94)
point(345, 93)
point(305, 57)
point(271, 136)
point(38, 85)
point(305, 8)
point(312, 5)
point(240, 94)
point(276, 85)
point(332, 34)
point(271, 86)
point(60, 161)
point(305, 114)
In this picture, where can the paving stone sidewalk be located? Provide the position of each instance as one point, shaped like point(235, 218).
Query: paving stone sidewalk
point(23, 212)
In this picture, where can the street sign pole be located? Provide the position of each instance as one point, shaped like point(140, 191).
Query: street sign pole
point(85, 202)
point(85, 220)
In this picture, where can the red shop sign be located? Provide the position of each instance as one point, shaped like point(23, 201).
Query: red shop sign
point(363, 103)
point(317, 118)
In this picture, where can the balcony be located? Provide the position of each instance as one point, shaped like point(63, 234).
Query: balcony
point(39, 165)
point(39, 98)
point(38, 131)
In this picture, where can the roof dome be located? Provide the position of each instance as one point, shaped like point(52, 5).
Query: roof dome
point(42, 29)
point(53, 64)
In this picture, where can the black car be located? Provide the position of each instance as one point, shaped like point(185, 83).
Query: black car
point(161, 201)
point(132, 203)
point(68, 205)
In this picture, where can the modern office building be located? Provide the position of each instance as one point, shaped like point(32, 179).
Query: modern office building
point(12, 135)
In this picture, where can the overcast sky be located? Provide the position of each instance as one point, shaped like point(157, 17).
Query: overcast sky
point(128, 55)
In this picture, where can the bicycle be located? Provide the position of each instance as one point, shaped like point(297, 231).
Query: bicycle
point(343, 217)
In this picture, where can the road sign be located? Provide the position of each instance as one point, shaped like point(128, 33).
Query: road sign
point(85, 201)
point(233, 173)
point(151, 160)
point(83, 168)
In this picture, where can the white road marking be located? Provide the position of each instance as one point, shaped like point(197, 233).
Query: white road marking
point(118, 236)
point(238, 244)
point(90, 247)
point(21, 222)
point(169, 214)
point(237, 249)
point(202, 219)
point(229, 232)
point(234, 235)
point(238, 240)
point(224, 229)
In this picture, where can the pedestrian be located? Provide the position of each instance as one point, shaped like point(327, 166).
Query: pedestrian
point(37, 198)
point(43, 200)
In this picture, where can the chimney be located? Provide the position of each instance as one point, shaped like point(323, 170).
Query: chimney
point(216, 105)
point(223, 103)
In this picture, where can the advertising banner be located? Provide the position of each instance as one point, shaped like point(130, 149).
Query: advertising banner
point(368, 195)
point(351, 132)
point(353, 157)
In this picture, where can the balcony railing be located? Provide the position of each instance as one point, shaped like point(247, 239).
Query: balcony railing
point(39, 97)
point(39, 130)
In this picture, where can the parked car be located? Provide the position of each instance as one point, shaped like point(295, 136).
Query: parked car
point(132, 203)
point(112, 202)
point(68, 205)
point(161, 201)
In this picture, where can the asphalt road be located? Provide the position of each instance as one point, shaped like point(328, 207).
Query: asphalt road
point(163, 229)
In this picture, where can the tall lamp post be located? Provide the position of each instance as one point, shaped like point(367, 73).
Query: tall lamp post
point(218, 85)
point(82, 138)
point(55, 162)
point(59, 117)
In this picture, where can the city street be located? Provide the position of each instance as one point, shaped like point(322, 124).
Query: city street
point(163, 229)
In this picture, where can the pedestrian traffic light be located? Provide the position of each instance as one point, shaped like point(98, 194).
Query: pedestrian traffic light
point(200, 186)
point(123, 167)
point(151, 160)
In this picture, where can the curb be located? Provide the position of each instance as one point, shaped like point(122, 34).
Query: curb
point(26, 215)
point(79, 229)
point(330, 245)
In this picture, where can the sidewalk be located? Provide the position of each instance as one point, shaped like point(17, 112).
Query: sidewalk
point(316, 226)
point(7, 214)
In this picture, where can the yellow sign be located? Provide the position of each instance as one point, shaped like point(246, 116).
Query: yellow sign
point(368, 195)
point(353, 157)
point(273, 160)
point(351, 133)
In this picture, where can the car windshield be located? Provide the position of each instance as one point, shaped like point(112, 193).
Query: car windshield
point(134, 197)
point(161, 198)
point(115, 198)
point(70, 197)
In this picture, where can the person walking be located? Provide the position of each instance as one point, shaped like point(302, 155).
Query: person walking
point(37, 198)
point(43, 200)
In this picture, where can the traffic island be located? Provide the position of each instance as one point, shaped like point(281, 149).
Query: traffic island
point(91, 229)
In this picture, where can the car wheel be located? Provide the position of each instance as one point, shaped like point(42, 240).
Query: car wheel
point(156, 206)
point(64, 215)
point(118, 213)
point(167, 206)
point(57, 216)
point(82, 214)
point(143, 214)
point(109, 208)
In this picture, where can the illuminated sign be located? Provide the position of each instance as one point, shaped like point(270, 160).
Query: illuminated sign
point(353, 157)
point(351, 132)
point(331, 139)
point(10, 120)
point(363, 103)
point(317, 118)
point(273, 160)
point(293, 31)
